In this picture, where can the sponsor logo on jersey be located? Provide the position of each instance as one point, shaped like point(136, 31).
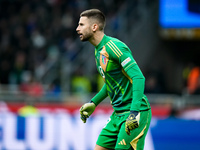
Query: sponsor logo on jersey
point(101, 72)
point(126, 61)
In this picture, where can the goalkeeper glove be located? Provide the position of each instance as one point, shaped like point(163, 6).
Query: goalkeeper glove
point(86, 110)
point(132, 121)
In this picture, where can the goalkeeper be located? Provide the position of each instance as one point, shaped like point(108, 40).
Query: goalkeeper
point(124, 84)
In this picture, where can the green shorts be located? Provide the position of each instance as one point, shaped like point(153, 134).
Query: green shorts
point(113, 135)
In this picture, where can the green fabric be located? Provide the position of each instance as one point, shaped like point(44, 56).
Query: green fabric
point(99, 97)
point(140, 101)
point(123, 79)
point(113, 135)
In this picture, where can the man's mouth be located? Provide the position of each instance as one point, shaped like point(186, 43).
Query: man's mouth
point(80, 35)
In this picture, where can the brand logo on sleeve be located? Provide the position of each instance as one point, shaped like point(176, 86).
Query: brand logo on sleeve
point(126, 61)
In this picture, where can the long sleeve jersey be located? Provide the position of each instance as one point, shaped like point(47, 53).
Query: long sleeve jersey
point(124, 81)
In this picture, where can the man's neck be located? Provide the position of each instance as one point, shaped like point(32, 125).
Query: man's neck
point(96, 39)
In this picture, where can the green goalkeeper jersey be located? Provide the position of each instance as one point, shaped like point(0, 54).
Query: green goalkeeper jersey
point(124, 81)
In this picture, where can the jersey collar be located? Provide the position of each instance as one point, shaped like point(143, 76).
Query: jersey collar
point(103, 41)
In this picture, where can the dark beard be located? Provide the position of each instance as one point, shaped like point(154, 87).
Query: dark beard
point(86, 37)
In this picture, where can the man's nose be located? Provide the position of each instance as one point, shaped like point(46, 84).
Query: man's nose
point(77, 29)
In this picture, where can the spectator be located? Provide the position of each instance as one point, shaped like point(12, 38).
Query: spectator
point(81, 85)
point(32, 88)
point(36, 90)
point(197, 90)
point(152, 85)
point(28, 109)
point(192, 82)
point(18, 68)
point(54, 90)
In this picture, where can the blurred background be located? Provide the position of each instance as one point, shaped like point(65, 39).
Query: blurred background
point(47, 73)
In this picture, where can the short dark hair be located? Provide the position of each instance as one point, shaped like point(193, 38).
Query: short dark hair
point(97, 15)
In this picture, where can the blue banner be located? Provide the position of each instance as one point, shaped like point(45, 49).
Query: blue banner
point(65, 131)
point(175, 134)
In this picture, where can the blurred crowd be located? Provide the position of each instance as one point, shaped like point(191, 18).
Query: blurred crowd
point(33, 31)
point(30, 31)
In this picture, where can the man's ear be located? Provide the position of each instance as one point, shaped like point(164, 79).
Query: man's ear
point(94, 27)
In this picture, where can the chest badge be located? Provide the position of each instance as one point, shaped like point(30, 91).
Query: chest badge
point(103, 59)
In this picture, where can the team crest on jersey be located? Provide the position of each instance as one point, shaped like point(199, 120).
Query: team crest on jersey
point(103, 59)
